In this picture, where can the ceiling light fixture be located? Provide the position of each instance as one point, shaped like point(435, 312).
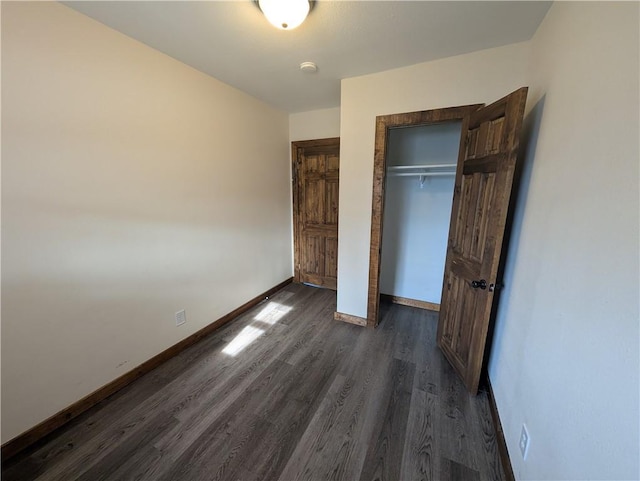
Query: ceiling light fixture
point(285, 14)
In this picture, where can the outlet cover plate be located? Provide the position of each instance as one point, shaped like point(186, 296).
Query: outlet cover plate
point(181, 317)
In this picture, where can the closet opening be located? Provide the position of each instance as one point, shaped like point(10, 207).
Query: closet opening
point(415, 163)
point(421, 168)
point(484, 179)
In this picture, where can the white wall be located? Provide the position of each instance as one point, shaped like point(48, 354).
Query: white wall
point(478, 77)
point(314, 124)
point(132, 186)
point(565, 353)
point(416, 217)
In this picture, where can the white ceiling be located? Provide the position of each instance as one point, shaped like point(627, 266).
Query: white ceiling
point(233, 42)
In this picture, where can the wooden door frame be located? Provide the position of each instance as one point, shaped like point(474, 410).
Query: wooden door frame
point(299, 147)
point(383, 124)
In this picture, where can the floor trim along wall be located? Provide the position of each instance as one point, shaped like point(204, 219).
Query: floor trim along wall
point(405, 301)
point(502, 443)
point(358, 321)
point(26, 439)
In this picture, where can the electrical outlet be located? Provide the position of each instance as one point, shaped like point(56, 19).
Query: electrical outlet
point(181, 317)
point(524, 442)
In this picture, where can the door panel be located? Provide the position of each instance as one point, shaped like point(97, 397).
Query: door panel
point(312, 252)
point(331, 257)
point(316, 166)
point(484, 178)
point(331, 201)
point(313, 194)
point(333, 163)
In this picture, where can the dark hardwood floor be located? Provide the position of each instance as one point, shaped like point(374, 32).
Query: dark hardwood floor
point(285, 393)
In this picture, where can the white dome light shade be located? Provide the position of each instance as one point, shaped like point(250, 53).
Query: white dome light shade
point(285, 14)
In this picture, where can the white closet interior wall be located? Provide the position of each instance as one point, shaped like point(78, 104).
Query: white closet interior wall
point(416, 218)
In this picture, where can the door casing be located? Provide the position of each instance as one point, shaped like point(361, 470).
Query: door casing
point(501, 146)
point(383, 124)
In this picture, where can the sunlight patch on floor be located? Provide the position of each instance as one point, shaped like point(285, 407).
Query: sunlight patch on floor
point(272, 312)
point(242, 340)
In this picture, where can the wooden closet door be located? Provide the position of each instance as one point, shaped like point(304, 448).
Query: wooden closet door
point(484, 179)
point(316, 181)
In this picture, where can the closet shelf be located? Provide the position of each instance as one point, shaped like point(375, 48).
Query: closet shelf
point(422, 171)
point(420, 174)
point(394, 168)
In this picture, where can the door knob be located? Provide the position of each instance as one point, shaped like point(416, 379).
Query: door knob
point(482, 284)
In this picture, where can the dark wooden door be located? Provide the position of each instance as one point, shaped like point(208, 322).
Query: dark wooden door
point(484, 178)
point(316, 167)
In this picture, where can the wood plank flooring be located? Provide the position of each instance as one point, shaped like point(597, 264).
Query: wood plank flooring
point(285, 393)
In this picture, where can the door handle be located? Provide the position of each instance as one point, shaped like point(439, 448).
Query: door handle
point(482, 284)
